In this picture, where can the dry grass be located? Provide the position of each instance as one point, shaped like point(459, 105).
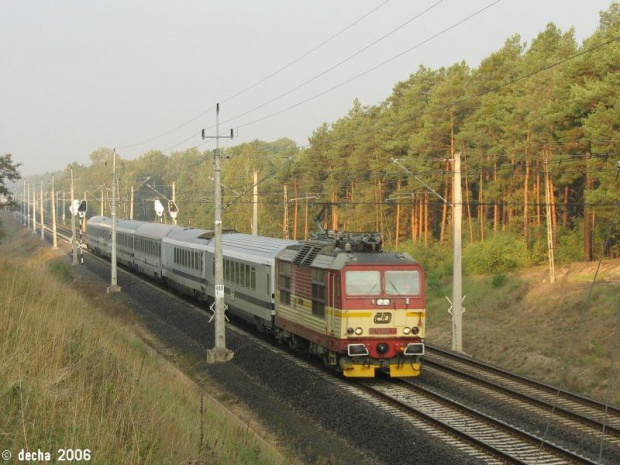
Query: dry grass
point(550, 332)
point(72, 377)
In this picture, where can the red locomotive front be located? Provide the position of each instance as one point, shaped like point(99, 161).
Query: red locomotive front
point(358, 308)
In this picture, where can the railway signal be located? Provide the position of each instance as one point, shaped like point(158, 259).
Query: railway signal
point(173, 209)
point(159, 210)
point(81, 209)
point(73, 208)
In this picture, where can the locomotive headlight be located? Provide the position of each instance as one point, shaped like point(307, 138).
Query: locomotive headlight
point(406, 330)
point(349, 331)
point(383, 301)
point(415, 330)
point(359, 331)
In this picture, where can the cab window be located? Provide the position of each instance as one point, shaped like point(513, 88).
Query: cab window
point(363, 282)
point(405, 282)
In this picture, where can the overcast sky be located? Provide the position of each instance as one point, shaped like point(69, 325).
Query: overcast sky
point(76, 75)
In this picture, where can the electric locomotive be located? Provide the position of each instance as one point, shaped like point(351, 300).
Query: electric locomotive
point(359, 308)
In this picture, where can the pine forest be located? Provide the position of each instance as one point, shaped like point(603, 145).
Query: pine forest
point(536, 126)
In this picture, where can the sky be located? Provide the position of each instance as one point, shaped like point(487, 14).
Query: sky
point(140, 75)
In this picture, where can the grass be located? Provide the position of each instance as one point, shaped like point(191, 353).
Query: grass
point(550, 332)
point(72, 376)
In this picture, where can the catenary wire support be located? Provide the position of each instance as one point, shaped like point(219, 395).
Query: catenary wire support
point(456, 309)
point(219, 353)
point(113, 287)
point(397, 162)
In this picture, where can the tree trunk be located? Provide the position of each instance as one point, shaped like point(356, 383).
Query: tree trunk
point(306, 226)
point(295, 213)
point(397, 235)
point(587, 220)
point(285, 216)
point(380, 213)
point(565, 218)
point(537, 193)
point(334, 211)
point(444, 213)
point(526, 220)
point(426, 219)
point(496, 203)
point(554, 216)
point(481, 209)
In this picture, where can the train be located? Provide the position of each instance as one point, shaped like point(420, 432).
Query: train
point(337, 296)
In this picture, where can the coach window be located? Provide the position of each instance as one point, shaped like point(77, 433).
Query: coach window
point(253, 278)
point(241, 274)
point(247, 276)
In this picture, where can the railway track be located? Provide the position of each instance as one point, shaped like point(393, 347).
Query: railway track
point(573, 411)
point(473, 433)
point(486, 438)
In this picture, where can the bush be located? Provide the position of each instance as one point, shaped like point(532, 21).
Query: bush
point(434, 258)
point(569, 246)
point(60, 269)
point(499, 280)
point(498, 254)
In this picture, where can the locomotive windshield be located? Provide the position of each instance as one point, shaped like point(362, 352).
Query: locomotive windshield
point(402, 282)
point(363, 282)
point(396, 282)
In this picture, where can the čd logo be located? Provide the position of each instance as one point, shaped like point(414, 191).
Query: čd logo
point(383, 318)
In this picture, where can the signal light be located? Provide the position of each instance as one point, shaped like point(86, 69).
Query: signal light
point(382, 348)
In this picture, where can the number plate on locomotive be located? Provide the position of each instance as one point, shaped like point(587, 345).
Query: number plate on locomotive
point(382, 331)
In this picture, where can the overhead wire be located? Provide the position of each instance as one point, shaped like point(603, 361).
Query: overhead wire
point(371, 69)
point(331, 68)
point(305, 54)
point(278, 71)
point(363, 73)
